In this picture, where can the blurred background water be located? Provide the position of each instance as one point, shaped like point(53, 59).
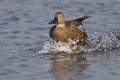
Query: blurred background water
point(24, 29)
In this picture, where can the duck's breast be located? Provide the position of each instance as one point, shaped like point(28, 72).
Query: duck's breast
point(59, 34)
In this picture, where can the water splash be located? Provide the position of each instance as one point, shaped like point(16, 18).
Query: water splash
point(105, 42)
point(53, 47)
point(98, 42)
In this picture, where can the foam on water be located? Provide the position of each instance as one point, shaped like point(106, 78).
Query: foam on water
point(98, 42)
point(53, 47)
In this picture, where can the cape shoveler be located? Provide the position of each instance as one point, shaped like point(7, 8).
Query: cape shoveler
point(68, 30)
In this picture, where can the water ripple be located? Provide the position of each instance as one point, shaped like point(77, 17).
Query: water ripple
point(24, 31)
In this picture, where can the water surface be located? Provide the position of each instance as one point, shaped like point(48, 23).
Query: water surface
point(24, 31)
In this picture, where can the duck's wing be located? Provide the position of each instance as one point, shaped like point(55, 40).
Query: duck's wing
point(76, 22)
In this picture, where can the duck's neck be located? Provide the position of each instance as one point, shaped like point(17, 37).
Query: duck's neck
point(61, 22)
point(61, 25)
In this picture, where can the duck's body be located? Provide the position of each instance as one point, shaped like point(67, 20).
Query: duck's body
point(68, 30)
point(64, 34)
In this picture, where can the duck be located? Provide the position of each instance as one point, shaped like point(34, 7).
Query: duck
point(64, 31)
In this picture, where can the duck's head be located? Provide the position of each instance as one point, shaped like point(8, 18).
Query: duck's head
point(58, 19)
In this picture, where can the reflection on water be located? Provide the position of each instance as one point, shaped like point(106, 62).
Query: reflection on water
point(65, 64)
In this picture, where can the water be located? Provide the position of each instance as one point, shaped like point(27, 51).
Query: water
point(24, 38)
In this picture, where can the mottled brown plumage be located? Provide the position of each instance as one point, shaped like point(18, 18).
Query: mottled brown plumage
point(65, 30)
